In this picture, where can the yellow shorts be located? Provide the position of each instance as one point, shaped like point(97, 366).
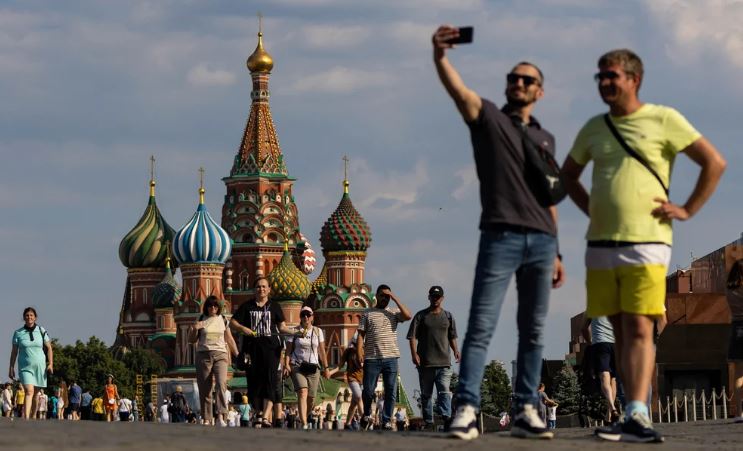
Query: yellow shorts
point(628, 279)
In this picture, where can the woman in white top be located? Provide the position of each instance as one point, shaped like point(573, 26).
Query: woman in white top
point(213, 337)
point(60, 402)
point(304, 353)
point(42, 404)
point(7, 400)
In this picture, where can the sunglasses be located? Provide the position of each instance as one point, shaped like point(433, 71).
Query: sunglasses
point(305, 315)
point(527, 79)
point(213, 306)
point(606, 75)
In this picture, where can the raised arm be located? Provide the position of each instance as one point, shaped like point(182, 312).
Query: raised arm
point(468, 102)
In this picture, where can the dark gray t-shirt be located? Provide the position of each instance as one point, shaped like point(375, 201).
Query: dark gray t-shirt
point(499, 157)
point(433, 332)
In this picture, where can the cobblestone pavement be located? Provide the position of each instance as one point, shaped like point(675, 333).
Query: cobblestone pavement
point(84, 435)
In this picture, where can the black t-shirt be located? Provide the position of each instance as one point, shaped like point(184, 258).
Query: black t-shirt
point(262, 320)
point(499, 157)
point(433, 332)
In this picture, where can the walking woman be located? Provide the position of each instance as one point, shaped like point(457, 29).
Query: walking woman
point(261, 321)
point(111, 398)
point(29, 343)
point(213, 338)
point(304, 353)
point(354, 377)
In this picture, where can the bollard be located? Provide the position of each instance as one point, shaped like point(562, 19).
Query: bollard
point(668, 408)
point(686, 409)
point(724, 404)
point(694, 406)
point(660, 411)
point(714, 404)
point(675, 410)
point(704, 407)
point(650, 411)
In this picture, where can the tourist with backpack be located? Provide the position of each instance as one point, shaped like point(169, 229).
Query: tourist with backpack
point(432, 334)
point(212, 336)
point(32, 348)
point(178, 406)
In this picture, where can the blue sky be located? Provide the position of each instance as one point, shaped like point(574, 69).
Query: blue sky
point(91, 88)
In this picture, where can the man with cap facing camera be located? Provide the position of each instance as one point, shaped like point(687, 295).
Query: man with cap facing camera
point(432, 333)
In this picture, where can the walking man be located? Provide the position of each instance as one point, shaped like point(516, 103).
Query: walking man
point(378, 339)
point(629, 236)
point(75, 398)
point(432, 334)
point(518, 237)
point(599, 333)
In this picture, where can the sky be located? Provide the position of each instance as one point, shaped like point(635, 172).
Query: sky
point(91, 89)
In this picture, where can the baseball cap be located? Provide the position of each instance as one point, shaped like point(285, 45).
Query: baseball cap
point(306, 309)
point(436, 291)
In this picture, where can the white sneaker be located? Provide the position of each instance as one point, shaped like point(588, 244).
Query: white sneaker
point(464, 424)
point(221, 423)
point(528, 424)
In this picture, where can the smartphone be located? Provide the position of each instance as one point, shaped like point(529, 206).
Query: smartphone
point(465, 36)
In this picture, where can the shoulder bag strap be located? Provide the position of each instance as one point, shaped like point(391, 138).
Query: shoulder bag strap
point(632, 152)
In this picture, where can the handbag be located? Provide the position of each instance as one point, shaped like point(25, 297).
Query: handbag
point(541, 171)
point(633, 153)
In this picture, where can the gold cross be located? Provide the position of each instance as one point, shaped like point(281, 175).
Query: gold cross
point(260, 23)
point(201, 177)
point(345, 167)
point(152, 167)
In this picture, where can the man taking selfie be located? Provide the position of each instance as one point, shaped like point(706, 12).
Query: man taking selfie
point(518, 236)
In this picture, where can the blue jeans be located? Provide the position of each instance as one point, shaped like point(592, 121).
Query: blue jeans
point(503, 253)
point(441, 377)
point(388, 369)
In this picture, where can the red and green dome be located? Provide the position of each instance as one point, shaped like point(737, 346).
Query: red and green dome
point(345, 229)
point(287, 282)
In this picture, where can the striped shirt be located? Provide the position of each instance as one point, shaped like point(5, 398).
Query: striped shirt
point(380, 333)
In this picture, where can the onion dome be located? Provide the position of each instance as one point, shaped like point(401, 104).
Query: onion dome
point(260, 60)
point(167, 292)
point(287, 282)
point(144, 246)
point(346, 229)
point(308, 255)
point(202, 240)
point(318, 286)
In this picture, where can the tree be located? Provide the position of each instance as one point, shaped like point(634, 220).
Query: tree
point(495, 391)
point(567, 390)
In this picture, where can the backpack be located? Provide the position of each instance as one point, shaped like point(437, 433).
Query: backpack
point(178, 401)
point(422, 325)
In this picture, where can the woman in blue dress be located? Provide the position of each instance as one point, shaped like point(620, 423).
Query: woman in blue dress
point(28, 347)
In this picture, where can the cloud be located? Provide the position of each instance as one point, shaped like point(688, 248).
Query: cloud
point(468, 183)
point(342, 80)
point(697, 28)
point(203, 75)
point(333, 36)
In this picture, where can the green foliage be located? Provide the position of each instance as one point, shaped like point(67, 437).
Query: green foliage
point(566, 390)
point(495, 390)
point(89, 363)
point(454, 382)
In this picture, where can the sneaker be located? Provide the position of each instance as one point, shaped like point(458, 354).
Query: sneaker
point(305, 427)
point(635, 429)
point(221, 423)
point(528, 424)
point(464, 424)
point(365, 423)
point(387, 426)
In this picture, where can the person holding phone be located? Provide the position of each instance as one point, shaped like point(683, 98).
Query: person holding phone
point(29, 343)
point(518, 236)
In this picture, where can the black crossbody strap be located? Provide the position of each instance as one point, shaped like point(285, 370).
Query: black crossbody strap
point(632, 151)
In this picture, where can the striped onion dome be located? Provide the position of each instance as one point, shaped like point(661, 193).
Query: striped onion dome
point(308, 255)
point(346, 229)
point(202, 240)
point(288, 283)
point(167, 292)
point(144, 246)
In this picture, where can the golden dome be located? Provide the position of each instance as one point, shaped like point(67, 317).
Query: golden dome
point(260, 60)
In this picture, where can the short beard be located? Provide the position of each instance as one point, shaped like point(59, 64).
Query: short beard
point(519, 103)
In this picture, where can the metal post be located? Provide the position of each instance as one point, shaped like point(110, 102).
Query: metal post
point(724, 404)
point(668, 408)
point(714, 404)
point(704, 407)
point(694, 406)
point(675, 410)
point(686, 409)
point(482, 424)
point(660, 411)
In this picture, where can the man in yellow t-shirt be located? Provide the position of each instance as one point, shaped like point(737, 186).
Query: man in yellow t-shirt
point(630, 236)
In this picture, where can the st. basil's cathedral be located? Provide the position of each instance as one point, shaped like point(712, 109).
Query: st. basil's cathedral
point(259, 235)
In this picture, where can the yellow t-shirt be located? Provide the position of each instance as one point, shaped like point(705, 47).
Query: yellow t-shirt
point(622, 189)
point(97, 405)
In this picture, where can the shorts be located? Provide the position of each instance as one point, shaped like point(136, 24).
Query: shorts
point(735, 348)
point(626, 279)
point(602, 355)
point(308, 381)
point(75, 407)
point(356, 390)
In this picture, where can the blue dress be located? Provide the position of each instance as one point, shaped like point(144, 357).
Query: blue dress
point(31, 357)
